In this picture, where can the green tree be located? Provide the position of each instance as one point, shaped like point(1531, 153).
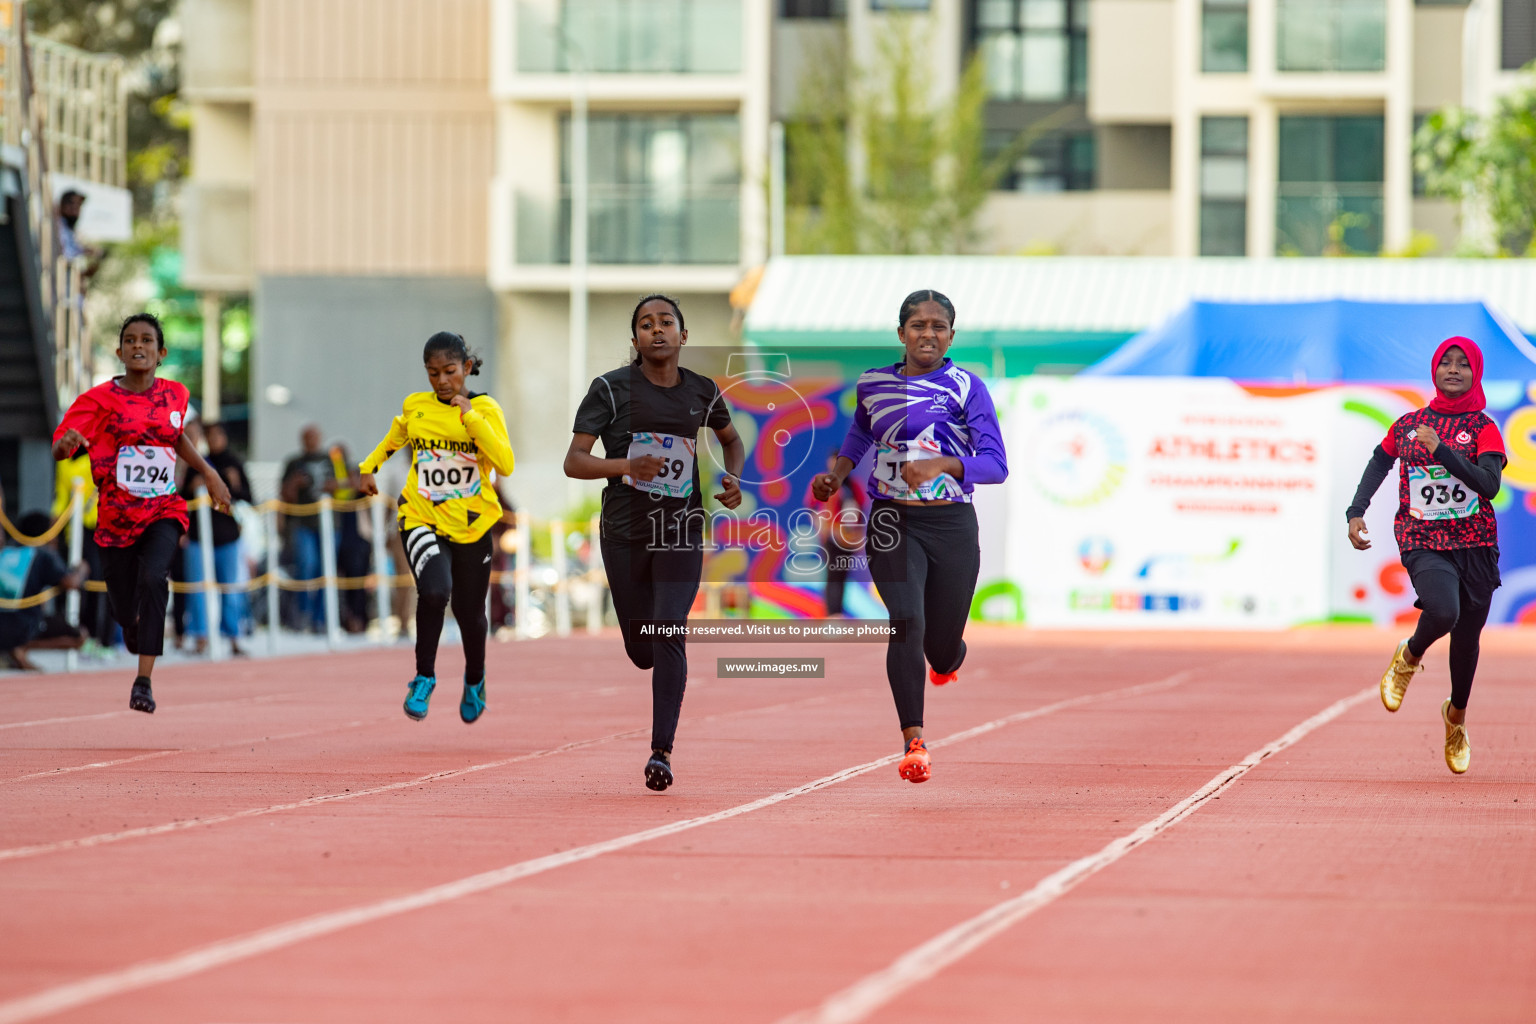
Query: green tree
point(1490, 160)
point(876, 167)
point(157, 140)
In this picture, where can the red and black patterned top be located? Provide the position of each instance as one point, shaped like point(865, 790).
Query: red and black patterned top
point(132, 440)
point(1435, 510)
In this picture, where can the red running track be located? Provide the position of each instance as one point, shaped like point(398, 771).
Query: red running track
point(278, 843)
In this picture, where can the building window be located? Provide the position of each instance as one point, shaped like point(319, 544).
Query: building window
point(1035, 50)
point(1223, 186)
point(1064, 162)
point(1329, 199)
point(1331, 35)
point(1518, 40)
point(813, 8)
point(662, 188)
point(1224, 35)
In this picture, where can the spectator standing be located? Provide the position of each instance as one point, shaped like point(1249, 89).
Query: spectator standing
point(306, 476)
point(228, 553)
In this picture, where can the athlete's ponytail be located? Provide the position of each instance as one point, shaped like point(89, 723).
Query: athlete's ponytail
point(454, 347)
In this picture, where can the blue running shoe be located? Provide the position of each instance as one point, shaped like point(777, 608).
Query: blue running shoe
point(472, 704)
point(420, 691)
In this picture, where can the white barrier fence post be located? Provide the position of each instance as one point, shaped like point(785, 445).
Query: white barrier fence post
point(328, 569)
point(274, 606)
point(596, 576)
point(562, 578)
point(76, 549)
point(213, 605)
point(382, 582)
point(522, 567)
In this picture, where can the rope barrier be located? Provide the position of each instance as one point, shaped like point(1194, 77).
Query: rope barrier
point(33, 542)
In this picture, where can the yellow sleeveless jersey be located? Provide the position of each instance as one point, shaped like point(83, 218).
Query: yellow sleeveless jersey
point(449, 486)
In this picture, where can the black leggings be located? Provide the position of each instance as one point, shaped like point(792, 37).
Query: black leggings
point(656, 583)
point(138, 586)
point(924, 561)
point(1449, 607)
point(460, 576)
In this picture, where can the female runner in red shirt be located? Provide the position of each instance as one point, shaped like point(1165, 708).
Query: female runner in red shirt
point(1451, 459)
point(132, 428)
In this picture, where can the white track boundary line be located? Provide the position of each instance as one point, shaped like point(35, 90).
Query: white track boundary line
point(143, 831)
point(867, 995)
point(262, 699)
point(217, 954)
point(71, 769)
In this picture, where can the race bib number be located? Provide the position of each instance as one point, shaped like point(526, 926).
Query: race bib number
point(889, 481)
point(146, 471)
point(1433, 493)
point(443, 476)
point(675, 477)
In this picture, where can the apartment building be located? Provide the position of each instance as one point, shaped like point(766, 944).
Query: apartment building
point(373, 170)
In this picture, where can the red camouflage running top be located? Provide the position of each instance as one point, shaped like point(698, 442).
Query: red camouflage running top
point(143, 430)
point(1471, 434)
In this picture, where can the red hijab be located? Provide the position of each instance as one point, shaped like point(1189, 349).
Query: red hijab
point(1472, 399)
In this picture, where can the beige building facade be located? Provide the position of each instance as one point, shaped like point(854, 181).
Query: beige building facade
point(370, 171)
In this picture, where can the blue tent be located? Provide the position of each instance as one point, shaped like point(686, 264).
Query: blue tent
point(1319, 342)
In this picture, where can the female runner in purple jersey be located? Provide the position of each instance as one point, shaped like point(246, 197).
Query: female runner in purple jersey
point(936, 437)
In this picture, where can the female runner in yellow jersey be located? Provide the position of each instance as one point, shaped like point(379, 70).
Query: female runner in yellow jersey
point(457, 439)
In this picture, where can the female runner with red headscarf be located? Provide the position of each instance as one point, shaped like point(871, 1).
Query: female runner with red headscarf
point(1452, 459)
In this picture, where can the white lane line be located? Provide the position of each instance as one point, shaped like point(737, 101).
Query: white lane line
point(103, 838)
point(263, 699)
point(217, 954)
point(864, 997)
point(70, 769)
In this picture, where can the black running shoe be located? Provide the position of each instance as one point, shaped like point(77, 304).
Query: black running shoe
point(658, 772)
point(142, 698)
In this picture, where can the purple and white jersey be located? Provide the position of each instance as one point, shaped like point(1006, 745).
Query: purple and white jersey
point(944, 413)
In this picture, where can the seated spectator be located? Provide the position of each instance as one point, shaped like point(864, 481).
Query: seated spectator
point(26, 572)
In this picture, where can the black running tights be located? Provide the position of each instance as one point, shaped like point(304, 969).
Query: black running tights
point(449, 574)
point(1449, 608)
point(138, 586)
point(924, 561)
point(656, 584)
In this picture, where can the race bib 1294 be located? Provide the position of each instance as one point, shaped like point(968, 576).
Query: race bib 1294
point(146, 471)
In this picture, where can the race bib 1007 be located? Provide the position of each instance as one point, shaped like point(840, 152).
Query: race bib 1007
point(146, 471)
point(1433, 493)
point(891, 484)
point(443, 475)
point(675, 477)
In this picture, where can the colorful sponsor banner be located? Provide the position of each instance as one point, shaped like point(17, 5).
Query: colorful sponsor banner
point(1146, 502)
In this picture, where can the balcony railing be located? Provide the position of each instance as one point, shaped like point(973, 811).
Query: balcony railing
point(634, 225)
point(630, 36)
point(1331, 35)
point(1328, 219)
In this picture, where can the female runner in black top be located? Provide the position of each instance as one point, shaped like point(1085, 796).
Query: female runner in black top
point(648, 415)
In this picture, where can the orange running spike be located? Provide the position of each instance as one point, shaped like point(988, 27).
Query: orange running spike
point(939, 680)
point(915, 767)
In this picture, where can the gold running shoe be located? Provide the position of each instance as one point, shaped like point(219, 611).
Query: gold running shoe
point(1458, 749)
point(1394, 682)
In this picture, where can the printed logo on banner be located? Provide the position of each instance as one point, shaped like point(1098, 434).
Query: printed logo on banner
point(1079, 458)
point(1096, 554)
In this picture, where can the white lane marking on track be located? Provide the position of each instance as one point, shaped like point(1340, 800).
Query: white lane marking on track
point(864, 997)
point(70, 769)
point(103, 838)
point(263, 699)
point(217, 954)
